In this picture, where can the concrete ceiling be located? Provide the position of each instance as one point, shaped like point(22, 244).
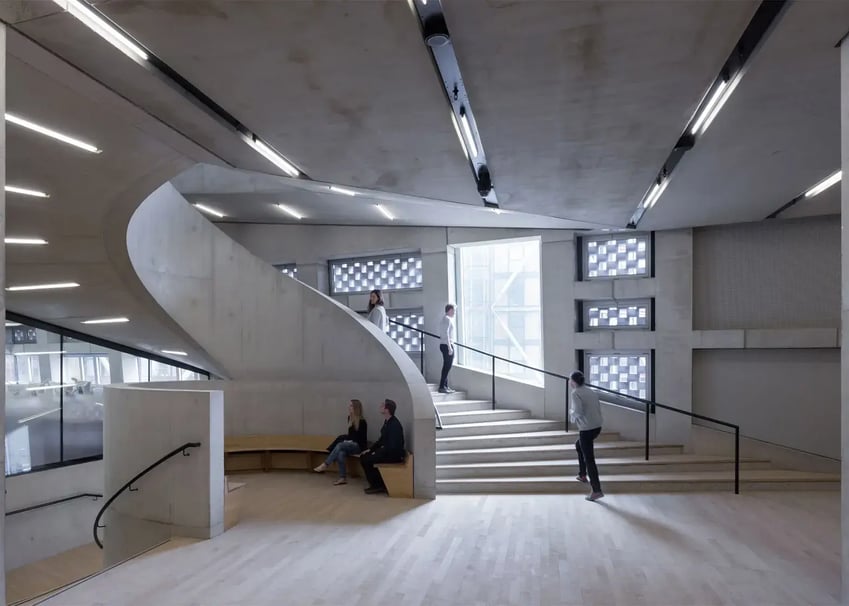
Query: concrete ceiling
point(579, 102)
point(778, 134)
point(91, 199)
point(249, 197)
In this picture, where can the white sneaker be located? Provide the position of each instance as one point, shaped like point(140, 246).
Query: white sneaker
point(594, 496)
point(321, 468)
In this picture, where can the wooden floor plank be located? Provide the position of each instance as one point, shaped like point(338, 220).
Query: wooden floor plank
point(304, 542)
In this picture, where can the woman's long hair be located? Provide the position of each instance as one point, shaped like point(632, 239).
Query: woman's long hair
point(376, 292)
point(356, 414)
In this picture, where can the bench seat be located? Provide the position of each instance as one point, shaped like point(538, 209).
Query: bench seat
point(269, 452)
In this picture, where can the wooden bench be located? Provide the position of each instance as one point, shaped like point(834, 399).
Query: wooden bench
point(266, 453)
point(233, 493)
point(398, 477)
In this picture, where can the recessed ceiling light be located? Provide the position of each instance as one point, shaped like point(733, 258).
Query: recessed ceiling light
point(272, 156)
point(289, 211)
point(53, 286)
point(385, 212)
point(342, 190)
point(103, 28)
point(174, 352)
point(209, 211)
point(14, 119)
point(470, 138)
point(30, 241)
point(8, 324)
point(36, 353)
point(107, 321)
point(655, 193)
point(824, 184)
point(13, 189)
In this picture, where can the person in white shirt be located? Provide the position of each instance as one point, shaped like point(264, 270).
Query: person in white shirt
point(376, 310)
point(585, 411)
point(446, 346)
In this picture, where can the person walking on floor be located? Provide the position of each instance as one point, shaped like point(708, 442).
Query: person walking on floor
point(585, 412)
point(389, 448)
point(346, 445)
point(447, 331)
point(376, 310)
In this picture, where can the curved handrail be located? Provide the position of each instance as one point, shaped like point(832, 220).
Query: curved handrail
point(94, 497)
point(147, 469)
point(650, 405)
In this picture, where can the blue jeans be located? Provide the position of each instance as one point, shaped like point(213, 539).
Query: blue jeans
point(338, 454)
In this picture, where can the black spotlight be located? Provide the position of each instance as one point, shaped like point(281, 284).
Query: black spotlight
point(484, 181)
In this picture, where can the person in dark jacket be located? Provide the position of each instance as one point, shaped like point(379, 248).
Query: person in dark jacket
point(352, 443)
point(389, 448)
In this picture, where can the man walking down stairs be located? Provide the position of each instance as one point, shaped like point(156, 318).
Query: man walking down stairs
point(488, 450)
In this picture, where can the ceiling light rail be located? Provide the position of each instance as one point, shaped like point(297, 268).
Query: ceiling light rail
point(714, 100)
point(438, 40)
point(815, 190)
point(104, 27)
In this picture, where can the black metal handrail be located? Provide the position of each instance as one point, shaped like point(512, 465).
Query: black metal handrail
point(82, 495)
point(173, 453)
point(647, 405)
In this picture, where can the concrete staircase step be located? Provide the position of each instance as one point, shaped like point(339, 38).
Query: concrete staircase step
point(609, 467)
point(540, 452)
point(499, 427)
point(438, 398)
point(694, 481)
point(445, 440)
point(460, 405)
point(452, 419)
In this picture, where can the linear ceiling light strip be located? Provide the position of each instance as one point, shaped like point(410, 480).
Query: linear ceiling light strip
point(107, 29)
point(438, 41)
point(717, 95)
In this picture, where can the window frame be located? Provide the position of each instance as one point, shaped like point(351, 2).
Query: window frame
point(583, 247)
point(417, 254)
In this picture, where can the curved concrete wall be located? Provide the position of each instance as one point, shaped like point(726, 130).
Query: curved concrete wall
point(263, 328)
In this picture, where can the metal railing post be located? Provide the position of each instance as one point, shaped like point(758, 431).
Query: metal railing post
point(648, 408)
point(493, 382)
point(566, 408)
point(737, 460)
point(421, 353)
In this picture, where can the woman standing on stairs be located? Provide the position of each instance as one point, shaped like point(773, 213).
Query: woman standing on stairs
point(585, 411)
point(343, 446)
point(376, 310)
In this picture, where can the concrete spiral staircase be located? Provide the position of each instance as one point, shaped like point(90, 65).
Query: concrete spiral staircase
point(481, 450)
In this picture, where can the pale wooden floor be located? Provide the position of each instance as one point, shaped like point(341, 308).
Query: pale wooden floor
point(304, 542)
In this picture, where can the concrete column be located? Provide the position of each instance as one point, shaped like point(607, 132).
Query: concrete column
point(435, 278)
point(2, 298)
point(844, 313)
point(557, 280)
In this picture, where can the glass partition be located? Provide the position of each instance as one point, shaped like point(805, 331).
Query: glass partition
point(54, 393)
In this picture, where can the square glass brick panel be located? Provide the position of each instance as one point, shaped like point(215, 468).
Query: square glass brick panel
point(612, 315)
point(290, 269)
point(407, 338)
point(617, 256)
point(397, 272)
point(626, 373)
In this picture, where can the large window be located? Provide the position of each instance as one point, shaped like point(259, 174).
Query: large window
point(499, 311)
point(627, 314)
point(392, 272)
point(625, 372)
point(407, 339)
point(54, 394)
point(619, 256)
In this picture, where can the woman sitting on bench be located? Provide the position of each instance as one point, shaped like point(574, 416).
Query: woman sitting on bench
point(352, 443)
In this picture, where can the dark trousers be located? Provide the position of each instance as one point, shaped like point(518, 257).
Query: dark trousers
point(447, 363)
point(586, 456)
point(369, 460)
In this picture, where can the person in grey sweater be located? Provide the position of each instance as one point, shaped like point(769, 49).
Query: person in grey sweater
point(585, 412)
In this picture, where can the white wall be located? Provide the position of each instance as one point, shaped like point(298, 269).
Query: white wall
point(34, 535)
point(182, 497)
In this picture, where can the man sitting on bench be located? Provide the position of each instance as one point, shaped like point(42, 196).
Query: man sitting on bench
point(389, 448)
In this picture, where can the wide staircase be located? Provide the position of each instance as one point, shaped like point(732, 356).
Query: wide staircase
point(486, 450)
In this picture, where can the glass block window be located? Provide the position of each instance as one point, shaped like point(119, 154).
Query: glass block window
point(393, 272)
point(626, 372)
point(616, 256)
point(627, 314)
point(407, 339)
point(290, 269)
